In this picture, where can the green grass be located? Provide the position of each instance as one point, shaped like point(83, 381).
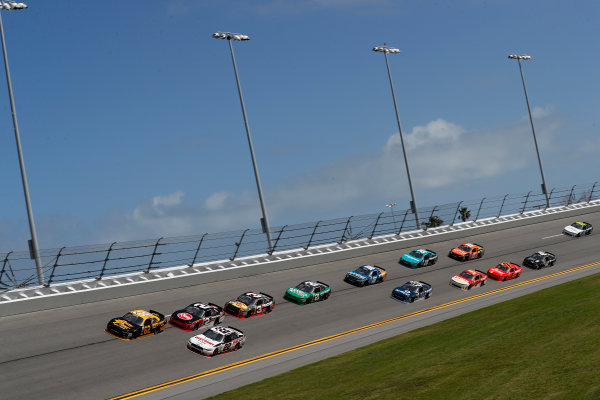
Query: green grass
point(545, 345)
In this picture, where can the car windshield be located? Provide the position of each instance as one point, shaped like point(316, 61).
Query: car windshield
point(363, 270)
point(305, 287)
point(247, 300)
point(502, 267)
point(467, 275)
point(464, 248)
point(416, 254)
point(410, 287)
point(195, 311)
point(214, 335)
point(133, 319)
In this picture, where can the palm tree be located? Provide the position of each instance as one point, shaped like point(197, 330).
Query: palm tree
point(435, 221)
point(465, 214)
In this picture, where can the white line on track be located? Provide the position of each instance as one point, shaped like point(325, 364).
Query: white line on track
point(548, 237)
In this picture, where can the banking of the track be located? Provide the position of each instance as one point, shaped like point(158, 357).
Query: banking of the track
point(67, 354)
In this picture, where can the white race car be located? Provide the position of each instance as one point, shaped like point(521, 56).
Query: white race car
point(220, 339)
point(578, 229)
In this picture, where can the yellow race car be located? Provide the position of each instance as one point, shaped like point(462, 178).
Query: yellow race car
point(137, 323)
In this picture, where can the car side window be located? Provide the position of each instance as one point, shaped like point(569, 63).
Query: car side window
point(147, 322)
point(259, 303)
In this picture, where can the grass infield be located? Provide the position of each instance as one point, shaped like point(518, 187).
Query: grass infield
point(544, 345)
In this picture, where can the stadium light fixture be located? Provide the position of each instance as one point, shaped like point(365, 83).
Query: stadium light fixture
point(33, 243)
point(524, 57)
point(413, 204)
point(264, 221)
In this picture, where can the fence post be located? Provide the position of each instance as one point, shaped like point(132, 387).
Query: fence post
point(153, 254)
point(592, 192)
point(525, 202)
point(480, 204)
point(54, 267)
point(4, 265)
point(197, 250)
point(456, 213)
point(375, 227)
point(402, 224)
point(238, 244)
point(502, 206)
point(345, 229)
point(277, 240)
point(105, 261)
point(312, 235)
point(571, 195)
point(550, 195)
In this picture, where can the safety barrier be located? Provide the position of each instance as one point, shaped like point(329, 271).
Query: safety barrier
point(68, 264)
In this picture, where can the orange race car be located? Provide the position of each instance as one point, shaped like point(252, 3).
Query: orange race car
point(466, 251)
point(505, 271)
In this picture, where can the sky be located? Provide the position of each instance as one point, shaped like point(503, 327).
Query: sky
point(131, 124)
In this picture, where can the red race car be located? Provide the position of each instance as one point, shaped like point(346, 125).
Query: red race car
point(468, 279)
point(505, 271)
point(466, 251)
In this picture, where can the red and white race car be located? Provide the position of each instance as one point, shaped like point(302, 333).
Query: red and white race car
point(505, 271)
point(196, 316)
point(466, 251)
point(220, 339)
point(469, 279)
point(250, 304)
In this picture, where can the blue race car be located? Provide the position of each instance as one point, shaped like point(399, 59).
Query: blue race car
point(412, 291)
point(366, 275)
point(419, 258)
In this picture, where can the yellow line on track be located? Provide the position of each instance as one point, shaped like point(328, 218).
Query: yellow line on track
point(339, 335)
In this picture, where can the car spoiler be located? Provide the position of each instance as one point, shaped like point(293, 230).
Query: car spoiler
point(239, 330)
point(477, 245)
point(160, 315)
point(381, 268)
point(322, 283)
point(268, 295)
point(431, 251)
point(425, 283)
point(514, 263)
point(481, 272)
point(215, 305)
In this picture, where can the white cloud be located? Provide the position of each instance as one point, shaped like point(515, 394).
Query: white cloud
point(441, 154)
point(216, 201)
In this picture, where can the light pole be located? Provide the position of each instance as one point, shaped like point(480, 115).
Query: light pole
point(413, 204)
point(264, 221)
point(33, 244)
point(391, 206)
point(520, 57)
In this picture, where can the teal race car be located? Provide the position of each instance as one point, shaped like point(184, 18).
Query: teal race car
point(308, 292)
point(419, 258)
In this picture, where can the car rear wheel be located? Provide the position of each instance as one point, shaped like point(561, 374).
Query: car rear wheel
point(504, 279)
point(237, 347)
point(215, 352)
point(482, 283)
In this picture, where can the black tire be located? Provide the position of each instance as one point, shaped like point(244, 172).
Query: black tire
point(504, 280)
point(197, 326)
point(268, 310)
point(215, 352)
point(247, 315)
point(469, 287)
point(433, 261)
point(363, 283)
point(427, 295)
point(482, 283)
point(552, 263)
point(237, 347)
point(412, 299)
point(326, 296)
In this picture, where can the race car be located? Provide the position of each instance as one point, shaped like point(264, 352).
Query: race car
point(412, 291)
point(466, 251)
point(137, 323)
point(366, 275)
point(250, 304)
point(419, 258)
point(308, 292)
point(468, 279)
point(219, 339)
point(197, 315)
point(539, 259)
point(505, 271)
point(578, 229)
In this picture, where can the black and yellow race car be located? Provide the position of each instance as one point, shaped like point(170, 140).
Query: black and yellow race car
point(137, 323)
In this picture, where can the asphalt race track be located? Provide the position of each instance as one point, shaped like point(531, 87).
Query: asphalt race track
point(65, 353)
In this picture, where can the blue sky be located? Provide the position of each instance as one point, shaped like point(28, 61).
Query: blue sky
point(131, 124)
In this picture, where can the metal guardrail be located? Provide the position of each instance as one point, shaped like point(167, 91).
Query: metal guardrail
point(68, 264)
